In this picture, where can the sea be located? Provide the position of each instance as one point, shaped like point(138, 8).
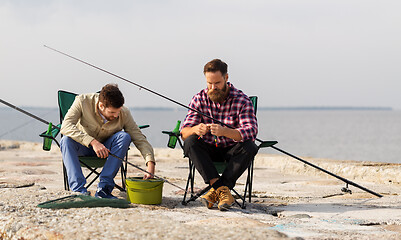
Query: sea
point(334, 133)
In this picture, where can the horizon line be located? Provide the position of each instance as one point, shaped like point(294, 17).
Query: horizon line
point(260, 108)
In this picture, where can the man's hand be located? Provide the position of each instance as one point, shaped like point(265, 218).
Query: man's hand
point(201, 129)
point(100, 150)
point(151, 169)
point(217, 130)
point(221, 131)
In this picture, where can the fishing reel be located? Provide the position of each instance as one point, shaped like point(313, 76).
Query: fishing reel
point(346, 189)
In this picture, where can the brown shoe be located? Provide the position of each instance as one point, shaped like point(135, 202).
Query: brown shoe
point(226, 200)
point(210, 198)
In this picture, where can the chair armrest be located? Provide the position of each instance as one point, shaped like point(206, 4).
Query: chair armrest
point(173, 138)
point(55, 131)
point(267, 144)
point(47, 138)
point(170, 133)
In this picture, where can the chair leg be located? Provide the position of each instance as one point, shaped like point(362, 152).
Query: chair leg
point(66, 185)
point(195, 196)
point(188, 181)
point(93, 171)
point(240, 197)
point(248, 187)
point(122, 177)
point(91, 182)
point(124, 172)
point(251, 182)
point(192, 179)
point(90, 174)
point(245, 191)
point(120, 188)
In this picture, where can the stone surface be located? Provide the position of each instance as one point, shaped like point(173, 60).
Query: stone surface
point(290, 201)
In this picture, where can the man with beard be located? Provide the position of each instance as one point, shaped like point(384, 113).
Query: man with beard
point(206, 141)
point(93, 127)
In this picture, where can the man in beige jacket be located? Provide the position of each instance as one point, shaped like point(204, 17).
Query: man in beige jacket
point(93, 127)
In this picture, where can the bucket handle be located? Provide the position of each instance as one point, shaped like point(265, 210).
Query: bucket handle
point(145, 189)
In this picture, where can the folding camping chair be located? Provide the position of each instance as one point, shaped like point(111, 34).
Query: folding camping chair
point(65, 100)
point(220, 166)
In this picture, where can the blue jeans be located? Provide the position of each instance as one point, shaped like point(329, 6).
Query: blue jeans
point(118, 144)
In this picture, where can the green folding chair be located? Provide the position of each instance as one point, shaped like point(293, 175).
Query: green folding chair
point(220, 166)
point(65, 100)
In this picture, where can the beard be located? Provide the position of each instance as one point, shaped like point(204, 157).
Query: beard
point(217, 95)
point(109, 118)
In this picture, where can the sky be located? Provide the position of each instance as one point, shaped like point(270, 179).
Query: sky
point(287, 52)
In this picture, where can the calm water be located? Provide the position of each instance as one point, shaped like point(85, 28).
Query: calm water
point(345, 135)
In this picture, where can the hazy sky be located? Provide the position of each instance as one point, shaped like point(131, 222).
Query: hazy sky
point(289, 53)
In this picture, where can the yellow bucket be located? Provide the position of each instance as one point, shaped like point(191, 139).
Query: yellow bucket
point(142, 191)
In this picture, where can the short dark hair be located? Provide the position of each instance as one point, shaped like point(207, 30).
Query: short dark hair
point(214, 66)
point(110, 95)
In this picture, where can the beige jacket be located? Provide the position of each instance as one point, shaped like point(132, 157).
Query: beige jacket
point(83, 124)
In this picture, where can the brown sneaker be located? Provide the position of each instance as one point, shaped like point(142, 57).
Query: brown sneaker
point(226, 200)
point(210, 198)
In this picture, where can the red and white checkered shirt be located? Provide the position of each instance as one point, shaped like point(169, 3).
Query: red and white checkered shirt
point(236, 111)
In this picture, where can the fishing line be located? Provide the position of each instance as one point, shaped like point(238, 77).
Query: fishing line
point(140, 86)
point(17, 128)
point(25, 112)
point(143, 170)
point(182, 105)
point(154, 176)
point(22, 125)
point(46, 122)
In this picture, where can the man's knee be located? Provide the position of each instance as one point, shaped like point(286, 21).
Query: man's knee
point(123, 135)
point(191, 141)
point(119, 139)
point(251, 147)
point(66, 142)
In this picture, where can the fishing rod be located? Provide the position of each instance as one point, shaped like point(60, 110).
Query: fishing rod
point(20, 126)
point(330, 173)
point(25, 112)
point(138, 85)
point(143, 170)
point(224, 124)
point(46, 122)
point(167, 181)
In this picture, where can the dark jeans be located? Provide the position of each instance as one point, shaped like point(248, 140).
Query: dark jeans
point(202, 155)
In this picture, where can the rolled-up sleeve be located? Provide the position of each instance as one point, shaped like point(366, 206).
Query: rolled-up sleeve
point(248, 125)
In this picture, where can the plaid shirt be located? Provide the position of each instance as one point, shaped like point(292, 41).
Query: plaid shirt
point(236, 111)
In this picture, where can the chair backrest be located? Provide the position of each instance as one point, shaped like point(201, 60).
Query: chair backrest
point(65, 100)
point(254, 100)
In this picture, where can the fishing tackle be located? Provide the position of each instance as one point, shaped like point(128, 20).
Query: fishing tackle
point(54, 126)
point(203, 114)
